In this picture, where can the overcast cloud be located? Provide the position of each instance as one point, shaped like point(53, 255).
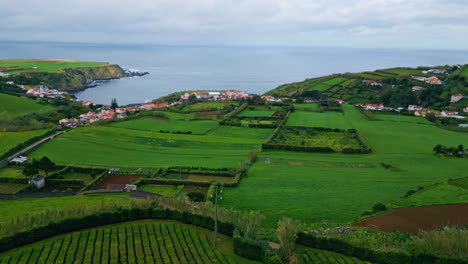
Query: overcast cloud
point(349, 23)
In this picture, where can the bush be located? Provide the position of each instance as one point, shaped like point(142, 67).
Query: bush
point(196, 196)
point(378, 207)
point(248, 248)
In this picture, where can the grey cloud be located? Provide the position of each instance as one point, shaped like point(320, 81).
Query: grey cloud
point(257, 22)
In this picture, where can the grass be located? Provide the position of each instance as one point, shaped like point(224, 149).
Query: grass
point(312, 138)
point(207, 105)
point(168, 191)
point(316, 119)
point(146, 241)
point(254, 113)
point(172, 125)
point(42, 65)
point(403, 70)
point(16, 106)
point(333, 189)
point(78, 176)
point(307, 106)
point(11, 187)
point(12, 172)
point(9, 140)
point(434, 195)
point(14, 208)
point(108, 146)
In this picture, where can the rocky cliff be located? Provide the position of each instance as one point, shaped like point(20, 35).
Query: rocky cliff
point(76, 78)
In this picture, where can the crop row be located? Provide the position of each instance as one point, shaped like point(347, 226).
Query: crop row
point(327, 257)
point(144, 243)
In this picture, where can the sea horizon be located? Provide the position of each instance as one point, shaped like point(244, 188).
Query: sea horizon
point(254, 69)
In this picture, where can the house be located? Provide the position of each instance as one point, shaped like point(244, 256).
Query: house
point(414, 107)
point(465, 109)
point(376, 107)
point(435, 71)
point(456, 97)
point(446, 113)
point(340, 101)
point(87, 103)
point(418, 88)
point(463, 125)
point(38, 182)
point(433, 80)
point(423, 112)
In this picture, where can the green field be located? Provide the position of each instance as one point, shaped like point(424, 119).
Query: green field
point(128, 148)
point(402, 70)
point(250, 113)
point(333, 189)
point(306, 106)
point(168, 191)
point(12, 172)
point(9, 140)
point(42, 65)
point(172, 125)
point(327, 84)
point(134, 242)
point(207, 105)
point(16, 208)
point(15, 106)
point(316, 119)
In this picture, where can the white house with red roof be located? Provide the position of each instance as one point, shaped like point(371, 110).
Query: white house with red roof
point(456, 97)
point(418, 88)
point(414, 107)
point(446, 113)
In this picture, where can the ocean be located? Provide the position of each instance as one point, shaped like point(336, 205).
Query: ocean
point(251, 69)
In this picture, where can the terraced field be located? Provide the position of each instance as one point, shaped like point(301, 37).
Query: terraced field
point(42, 65)
point(148, 242)
point(317, 256)
point(327, 84)
point(11, 187)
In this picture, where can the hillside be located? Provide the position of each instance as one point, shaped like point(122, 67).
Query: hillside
point(16, 106)
point(59, 74)
point(389, 86)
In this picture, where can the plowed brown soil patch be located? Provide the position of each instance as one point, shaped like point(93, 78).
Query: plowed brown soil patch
point(412, 220)
point(117, 179)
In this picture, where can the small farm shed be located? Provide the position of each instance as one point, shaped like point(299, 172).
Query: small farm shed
point(38, 181)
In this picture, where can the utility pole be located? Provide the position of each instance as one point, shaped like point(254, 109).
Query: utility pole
point(215, 240)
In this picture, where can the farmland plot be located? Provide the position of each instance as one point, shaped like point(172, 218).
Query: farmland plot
point(149, 242)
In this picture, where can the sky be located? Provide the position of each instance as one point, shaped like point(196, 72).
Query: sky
point(433, 24)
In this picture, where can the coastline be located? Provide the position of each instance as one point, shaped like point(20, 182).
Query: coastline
point(91, 85)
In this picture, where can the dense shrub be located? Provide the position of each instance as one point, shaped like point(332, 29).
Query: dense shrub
point(249, 248)
point(196, 196)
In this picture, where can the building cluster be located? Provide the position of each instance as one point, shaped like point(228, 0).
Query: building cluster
point(435, 71)
point(429, 80)
point(217, 96)
point(41, 91)
point(105, 112)
point(371, 83)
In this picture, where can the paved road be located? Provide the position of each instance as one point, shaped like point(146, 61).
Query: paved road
point(29, 148)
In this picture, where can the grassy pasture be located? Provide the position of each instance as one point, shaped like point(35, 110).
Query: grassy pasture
point(16, 208)
point(168, 191)
point(207, 105)
point(316, 119)
point(434, 195)
point(172, 125)
point(15, 106)
point(9, 140)
point(12, 172)
point(306, 106)
point(42, 65)
point(251, 113)
point(108, 146)
point(332, 189)
point(134, 242)
point(403, 70)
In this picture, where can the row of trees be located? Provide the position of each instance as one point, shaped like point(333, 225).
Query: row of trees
point(44, 164)
point(450, 151)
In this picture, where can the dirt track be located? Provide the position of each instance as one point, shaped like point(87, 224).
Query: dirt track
point(412, 220)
